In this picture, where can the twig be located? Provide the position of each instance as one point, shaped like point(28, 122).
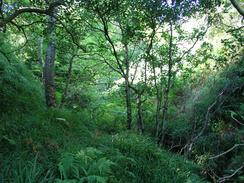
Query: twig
point(199, 36)
point(235, 146)
point(236, 120)
point(20, 28)
point(207, 118)
point(235, 29)
point(109, 64)
point(72, 36)
point(229, 176)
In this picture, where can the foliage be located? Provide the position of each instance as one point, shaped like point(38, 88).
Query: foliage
point(18, 169)
point(85, 166)
point(173, 71)
point(145, 162)
point(17, 84)
point(224, 92)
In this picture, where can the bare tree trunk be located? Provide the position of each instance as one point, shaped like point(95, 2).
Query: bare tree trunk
point(158, 100)
point(40, 54)
point(140, 122)
point(169, 81)
point(48, 70)
point(40, 51)
point(157, 118)
point(69, 74)
point(127, 88)
point(128, 104)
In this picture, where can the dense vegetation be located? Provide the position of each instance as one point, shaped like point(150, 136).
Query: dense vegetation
point(120, 91)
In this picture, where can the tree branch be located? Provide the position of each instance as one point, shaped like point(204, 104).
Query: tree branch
point(237, 6)
point(106, 33)
point(201, 34)
point(20, 28)
point(235, 29)
point(109, 64)
point(23, 10)
point(206, 121)
point(72, 36)
point(223, 179)
point(235, 146)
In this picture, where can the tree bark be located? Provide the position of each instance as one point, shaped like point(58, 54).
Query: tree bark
point(166, 94)
point(127, 86)
point(238, 7)
point(128, 103)
point(140, 122)
point(40, 54)
point(158, 101)
point(157, 118)
point(48, 70)
point(69, 74)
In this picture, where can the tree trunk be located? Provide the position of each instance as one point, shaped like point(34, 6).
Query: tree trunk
point(157, 118)
point(140, 123)
point(39, 55)
point(128, 103)
point(127, 88)
point(69, 73)
point(158, 101)
point(48, 70)
point(166, 94)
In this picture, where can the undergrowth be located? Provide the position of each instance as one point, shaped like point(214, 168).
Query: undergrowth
point(59, 145)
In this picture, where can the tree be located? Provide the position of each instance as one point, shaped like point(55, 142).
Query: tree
point(48, 70)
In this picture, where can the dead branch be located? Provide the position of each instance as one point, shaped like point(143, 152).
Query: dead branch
point(225, 152)
point(223, 179)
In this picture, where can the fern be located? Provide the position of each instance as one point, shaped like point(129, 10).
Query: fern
point(66, 165)
point(93, 179)
point(87, 165)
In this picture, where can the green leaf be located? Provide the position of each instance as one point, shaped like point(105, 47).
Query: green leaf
point(9, 140)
